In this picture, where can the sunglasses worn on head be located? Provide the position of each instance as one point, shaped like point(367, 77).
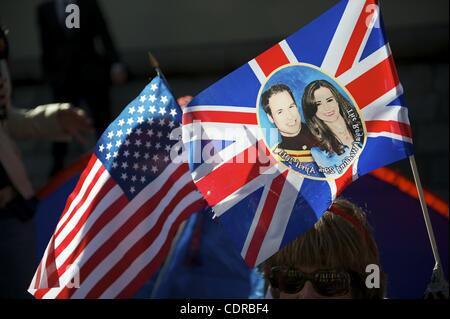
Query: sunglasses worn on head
point(328, 283)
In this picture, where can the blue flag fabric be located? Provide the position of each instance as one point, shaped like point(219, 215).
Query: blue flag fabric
point(205, 265)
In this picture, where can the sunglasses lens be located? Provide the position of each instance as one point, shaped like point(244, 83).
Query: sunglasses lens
point(332, 283)
point(287, 280)
point(291, 288)
point(328, 283)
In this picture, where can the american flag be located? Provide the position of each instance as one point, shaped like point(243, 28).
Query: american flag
point(263, 212)
point(119, 222)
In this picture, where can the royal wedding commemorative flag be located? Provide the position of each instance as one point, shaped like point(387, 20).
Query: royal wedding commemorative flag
point(272, 144)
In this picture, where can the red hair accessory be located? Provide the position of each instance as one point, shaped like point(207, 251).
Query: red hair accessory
point(335, 209)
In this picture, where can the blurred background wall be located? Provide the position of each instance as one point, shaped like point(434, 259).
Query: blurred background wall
point(199, 41)
point(201, 35)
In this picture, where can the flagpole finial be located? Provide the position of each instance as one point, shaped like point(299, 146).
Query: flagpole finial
point(154, 63)
point(438, 287)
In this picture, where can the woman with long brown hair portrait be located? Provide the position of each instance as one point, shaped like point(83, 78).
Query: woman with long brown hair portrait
point(335, 123)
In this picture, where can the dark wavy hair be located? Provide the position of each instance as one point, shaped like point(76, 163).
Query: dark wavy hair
point(327, 139)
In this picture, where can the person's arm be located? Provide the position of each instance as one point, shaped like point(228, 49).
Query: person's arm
point(57, 122)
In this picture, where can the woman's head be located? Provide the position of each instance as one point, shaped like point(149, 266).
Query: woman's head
point(329, 261)
point(323, 105)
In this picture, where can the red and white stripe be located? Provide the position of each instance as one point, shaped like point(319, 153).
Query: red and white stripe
point(372, 81)
point(342, 45)
point(388, 121)
point(271, 218)
point(220, 123)
point(115, 244)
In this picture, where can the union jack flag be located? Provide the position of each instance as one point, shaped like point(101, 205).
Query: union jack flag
point(264, 204)
point(119, 222)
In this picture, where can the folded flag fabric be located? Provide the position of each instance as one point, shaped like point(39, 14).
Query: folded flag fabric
point(204, 265)
point(274, 142)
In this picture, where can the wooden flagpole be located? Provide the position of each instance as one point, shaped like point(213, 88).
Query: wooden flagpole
point(438, 283)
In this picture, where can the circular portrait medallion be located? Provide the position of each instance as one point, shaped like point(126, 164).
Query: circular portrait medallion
point(310, 122)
